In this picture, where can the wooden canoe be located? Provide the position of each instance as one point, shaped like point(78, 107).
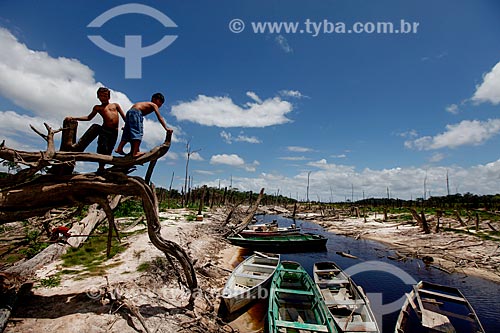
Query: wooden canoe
point(295, 304)
point(346, 301)
point(432, 308)
point(249, 280)
point(281, 244)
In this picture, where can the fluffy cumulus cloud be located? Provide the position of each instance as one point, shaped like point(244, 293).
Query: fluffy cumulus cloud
point(467, 132)
point(223, 112)
point(489, 89)
point(234, 161)
point(47, 89)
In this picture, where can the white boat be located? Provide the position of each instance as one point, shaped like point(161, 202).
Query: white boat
point(346, 301)
point(249, 280)
point(433, 308)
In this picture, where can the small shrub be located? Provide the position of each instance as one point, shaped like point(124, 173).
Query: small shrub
point(51, 281)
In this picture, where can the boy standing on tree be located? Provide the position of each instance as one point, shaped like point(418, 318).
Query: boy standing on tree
point(108, 133)
point(133, 130)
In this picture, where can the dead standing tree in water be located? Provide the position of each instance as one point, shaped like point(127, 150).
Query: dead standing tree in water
point(28, 194)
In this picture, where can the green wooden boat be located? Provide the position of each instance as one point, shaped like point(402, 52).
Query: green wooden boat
point(295, 304)
point(282, 243)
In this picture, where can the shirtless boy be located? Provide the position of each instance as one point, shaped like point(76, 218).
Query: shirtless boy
point(133, 130)
point(109, 129)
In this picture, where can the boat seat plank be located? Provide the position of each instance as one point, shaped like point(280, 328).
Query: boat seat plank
point(259, 277)
point(292, 291)
point(332, 281)
point(261, 266)
point(301, 326)
point(358, 326)
point(345, 302)
point(435, 293)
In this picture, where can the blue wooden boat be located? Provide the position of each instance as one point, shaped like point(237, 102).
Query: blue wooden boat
point(282, 243)
point(295, 304)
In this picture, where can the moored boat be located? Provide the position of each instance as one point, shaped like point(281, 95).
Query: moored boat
point(431, 308)
point(295, 304)
point(282, 243)
point(346, 301)
point(249, 280)
point(270, 229)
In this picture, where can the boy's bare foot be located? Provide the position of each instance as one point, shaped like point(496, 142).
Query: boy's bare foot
point(138, 154)
point(121, 152)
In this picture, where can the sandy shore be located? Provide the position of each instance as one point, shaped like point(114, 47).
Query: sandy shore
point(77, 304)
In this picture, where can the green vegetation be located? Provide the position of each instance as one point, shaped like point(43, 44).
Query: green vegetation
point(51, 281)
point(33, 246)
point(91, 257)
point(129, 208)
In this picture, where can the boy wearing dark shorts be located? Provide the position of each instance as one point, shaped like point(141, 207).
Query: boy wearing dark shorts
point(108, 133)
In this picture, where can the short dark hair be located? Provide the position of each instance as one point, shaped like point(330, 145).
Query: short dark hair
point(158, 96)
point(103, 90)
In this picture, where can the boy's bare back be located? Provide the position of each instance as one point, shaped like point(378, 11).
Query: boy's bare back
point(145, 107)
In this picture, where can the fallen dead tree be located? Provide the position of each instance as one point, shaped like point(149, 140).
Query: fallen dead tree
point(29, 194)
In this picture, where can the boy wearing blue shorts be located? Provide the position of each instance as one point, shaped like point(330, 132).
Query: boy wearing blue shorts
point(133, 130)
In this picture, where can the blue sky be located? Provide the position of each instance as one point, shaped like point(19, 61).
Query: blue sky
point(358, 112)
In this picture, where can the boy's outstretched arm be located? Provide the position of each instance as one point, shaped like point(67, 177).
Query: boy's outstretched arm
point(162, 121)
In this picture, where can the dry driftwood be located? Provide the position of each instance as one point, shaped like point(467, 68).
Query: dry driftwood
point(246, 221)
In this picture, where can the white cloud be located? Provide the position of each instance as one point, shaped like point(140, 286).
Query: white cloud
point(489, 89)
point(293, 158)
point(292, 93)
point(254, 96)
point(298, 149)
point(223, 112)
point(283, 44)
point(467, 132)
point(233, 160)
point(229, 138)
point(403, 183)
point(437, 157)
point(51, 88)
point(194, 156)
point(453, 109)
point(228, 159)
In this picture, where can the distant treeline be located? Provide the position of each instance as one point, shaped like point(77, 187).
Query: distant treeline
point(454, 201)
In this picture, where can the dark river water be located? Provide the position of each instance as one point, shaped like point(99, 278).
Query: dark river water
point(386, 281)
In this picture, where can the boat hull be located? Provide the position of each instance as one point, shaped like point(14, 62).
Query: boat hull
point(295, 303)
point(282, 244)
point(346, 301)
point(432, 308)
point(249, 281)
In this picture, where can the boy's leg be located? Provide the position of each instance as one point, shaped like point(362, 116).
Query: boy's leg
point(119, 149)
point(134, 150)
